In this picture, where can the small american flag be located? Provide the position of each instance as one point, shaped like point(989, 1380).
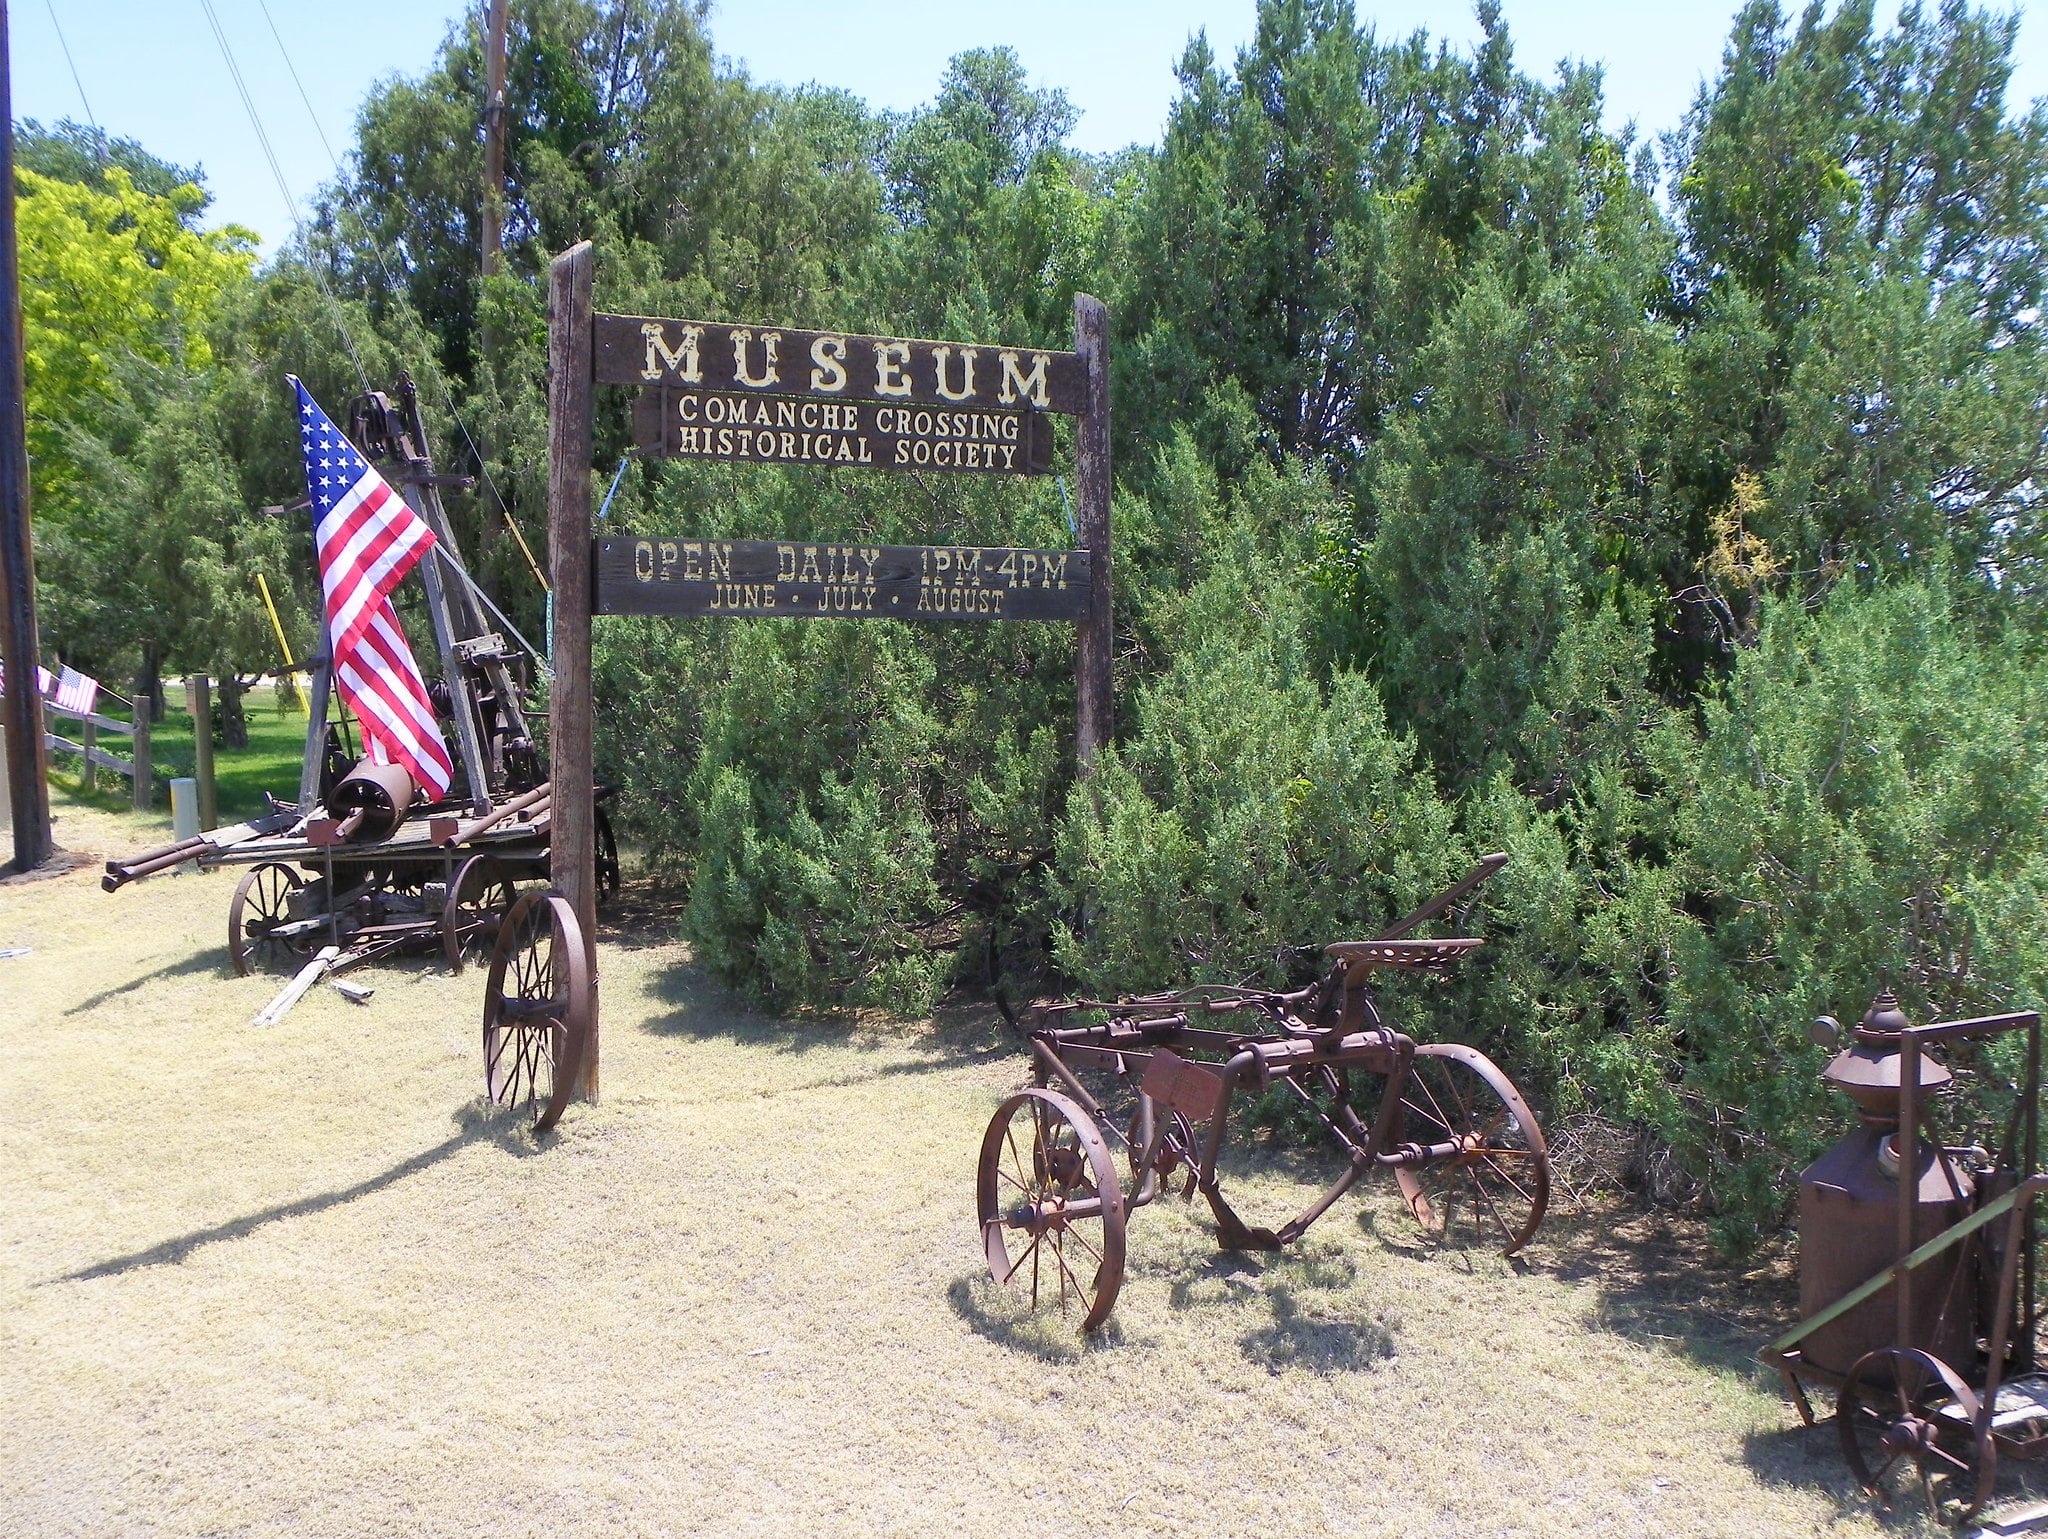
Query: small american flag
point(76, 692)
point(45, 680)
point(366, 540)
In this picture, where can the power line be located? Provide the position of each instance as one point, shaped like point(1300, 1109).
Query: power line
point(284, 190)
point(98, 134)
point(294, 73)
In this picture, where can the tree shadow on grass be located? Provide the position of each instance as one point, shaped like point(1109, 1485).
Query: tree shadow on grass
point(201, 962)
point(1810, 1459)
point(694, 1007)
point(479, 1122)
point(1662, 1284)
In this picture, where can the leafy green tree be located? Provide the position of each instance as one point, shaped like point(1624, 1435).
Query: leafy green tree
point(78, 152)
point(109, 272)
point(1861, 274)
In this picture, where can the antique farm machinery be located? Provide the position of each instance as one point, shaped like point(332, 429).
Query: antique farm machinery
point(1917, 1258)
point(1464, 1147)
point(359, 866)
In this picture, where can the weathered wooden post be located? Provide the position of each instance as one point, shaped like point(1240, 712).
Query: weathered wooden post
point(89, 740)
point(573, 840)
point(1093, 708)
point(202, 749)
point(143, 785)
point(28, 786)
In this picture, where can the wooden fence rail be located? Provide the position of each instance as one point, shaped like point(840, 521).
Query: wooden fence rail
point(135, 769)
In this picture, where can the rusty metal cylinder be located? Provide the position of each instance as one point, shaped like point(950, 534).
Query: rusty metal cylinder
point(381, 793)
point(1849, 1211)
point(1849, 1232)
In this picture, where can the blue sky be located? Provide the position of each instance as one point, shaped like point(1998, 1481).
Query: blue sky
point(152, 69)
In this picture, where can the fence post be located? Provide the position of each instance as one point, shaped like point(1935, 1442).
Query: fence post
point(143, 786)
point(89, 736)
point(202, 749)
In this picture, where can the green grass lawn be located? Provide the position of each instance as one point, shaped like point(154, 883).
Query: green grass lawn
point(270, 762)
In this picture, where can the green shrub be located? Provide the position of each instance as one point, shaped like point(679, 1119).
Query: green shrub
point(1866, 802)
point(1863, 800)
point(1252, 813)
point(813, 881)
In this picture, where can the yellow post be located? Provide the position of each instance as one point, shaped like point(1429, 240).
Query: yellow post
point(284, 647)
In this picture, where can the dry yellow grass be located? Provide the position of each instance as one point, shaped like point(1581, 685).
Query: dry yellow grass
point(296, 1281)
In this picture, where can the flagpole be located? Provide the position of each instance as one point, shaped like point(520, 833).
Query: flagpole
point(28, 788)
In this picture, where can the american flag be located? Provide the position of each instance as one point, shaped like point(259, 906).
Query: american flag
point(76, 692)
point(366, 540)
point(45, 680)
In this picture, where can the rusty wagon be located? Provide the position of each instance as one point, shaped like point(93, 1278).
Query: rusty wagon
point(356, 867)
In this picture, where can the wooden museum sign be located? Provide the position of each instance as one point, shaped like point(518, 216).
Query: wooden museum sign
point(774, 395)
point(777, 396)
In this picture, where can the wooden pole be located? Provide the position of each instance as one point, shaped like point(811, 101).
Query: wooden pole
point(468, 739)
point(573, 843)
point(1093, 710)
point(143, 784)
point(494, 140)
point(202, 749)
point(89, 740)
point(28, 785)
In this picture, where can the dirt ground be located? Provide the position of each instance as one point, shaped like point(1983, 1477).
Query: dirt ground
point(301, 1281)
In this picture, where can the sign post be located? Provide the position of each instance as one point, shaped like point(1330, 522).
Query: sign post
point(27, 778)
point(774, 395)
point(1092, 705)
point(573, 840)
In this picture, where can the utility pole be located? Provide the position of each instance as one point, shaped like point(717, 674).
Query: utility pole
point(28, 787)
point(494, 200)
point(494, 139)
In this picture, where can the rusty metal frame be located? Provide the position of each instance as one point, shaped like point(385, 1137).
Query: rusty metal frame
point(2010, 1335)
point(1188, 1062)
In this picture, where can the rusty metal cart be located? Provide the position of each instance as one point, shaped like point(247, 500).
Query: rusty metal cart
point(1920, 1295)
point(358, 864)
point(1463, 1145)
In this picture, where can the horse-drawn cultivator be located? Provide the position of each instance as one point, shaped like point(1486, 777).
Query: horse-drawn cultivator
point(1054, 1200)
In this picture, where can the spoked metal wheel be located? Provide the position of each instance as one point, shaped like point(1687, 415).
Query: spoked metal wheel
point(1911, 1432)
point(261, 903)
point(537, 1008)
point(1489, 1183)
point(477, 900)
point(1051, 1208)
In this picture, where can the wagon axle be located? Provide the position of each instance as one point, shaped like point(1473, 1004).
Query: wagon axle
point(1044, 1217)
